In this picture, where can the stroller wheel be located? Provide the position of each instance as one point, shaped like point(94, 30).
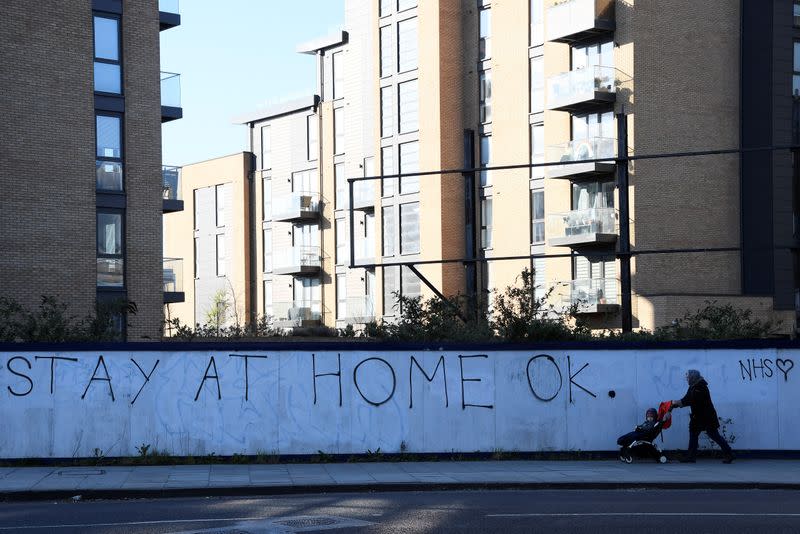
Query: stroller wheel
point(663, 459)
point(626, 457)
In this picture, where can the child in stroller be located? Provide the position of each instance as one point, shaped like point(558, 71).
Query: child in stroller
point(641, 442)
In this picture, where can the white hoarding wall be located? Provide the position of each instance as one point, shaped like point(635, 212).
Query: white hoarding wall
point(71, 404)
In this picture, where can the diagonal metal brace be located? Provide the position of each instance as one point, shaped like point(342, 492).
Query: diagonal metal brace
point(437, 292)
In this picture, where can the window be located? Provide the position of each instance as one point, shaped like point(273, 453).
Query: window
point(341, 296)
point(486, 222)
point(341, 241)
point(387, 168)
point(196, 244)
point(107, 69)
point(599, 54)
point(195, 201)
point(387, 111)
point(486, 157)
point(539, 279)
point(409, 283)
point(407, 45)
point(110, 249)
point(267, 236)
point(409, 228)
point(486, 96)
point(409, 163)
point(266, 148)
point(391, 286)
point(537, 22)
point(591, 195)
point(268, 310)
point(537, 150)
point(221, 271)
point(402, 5)
point(537, 216)
point(387, 55)
point(108, 165)
point(389, 230)
point(313, 136)
point(342, 192)
point(219, 199)
point(796, 78)
point(338, 75)
point(797, 12)
point(338, 131)
point(385, 7)
point(485, 27)
point(409, 106)
point(537, 84)
point(266, 194)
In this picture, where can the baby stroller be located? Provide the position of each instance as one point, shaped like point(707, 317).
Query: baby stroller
point(645, 445)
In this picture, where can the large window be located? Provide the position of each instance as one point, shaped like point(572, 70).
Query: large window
point(537, 84)
point(537, 150)
point(267, 198)
point(267, 236)
point(796, 78)
point(385, 7)
point(591, 55)
point(402, 5)
point(409, 106)
point(110, 249)
point(221, 256)
point(341, 238)
point(312, 134)
point(387, 54)
point(389, 230)
point(486, 96)
point(338, 75)
point(268, 310)
point(387, 111)
point(407, 45)
point(593, 126)
point(341, 296)
point(485, 28)
point(266, 148)
point(486, 222)
point(486, 158)
point(537, 22)
point(409, 228)
point(342, 192)
point(108, 164)
point(391, 287)
point(107, 69)
point(338, 131)
point(219, 200)
point(409, 163)
point(537, 216)
point(797, 12)
point(389, 185)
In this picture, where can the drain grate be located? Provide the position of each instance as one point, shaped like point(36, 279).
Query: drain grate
point(305, 522)
point(81, 472)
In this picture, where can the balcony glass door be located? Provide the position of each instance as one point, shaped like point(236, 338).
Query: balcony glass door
point(594, 125)
point(307, 297)
point(593, 55)
point(592, 195)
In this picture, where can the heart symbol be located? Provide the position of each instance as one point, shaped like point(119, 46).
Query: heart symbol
point(784, 366)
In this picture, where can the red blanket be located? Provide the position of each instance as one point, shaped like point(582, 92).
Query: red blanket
point(664, 409)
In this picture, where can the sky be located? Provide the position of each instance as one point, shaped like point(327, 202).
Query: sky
point(236, 56)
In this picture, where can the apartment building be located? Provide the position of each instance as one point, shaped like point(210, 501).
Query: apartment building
point(448, 84)
point(82, 98)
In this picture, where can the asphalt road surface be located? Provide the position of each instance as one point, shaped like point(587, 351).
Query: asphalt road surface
point(550, 511)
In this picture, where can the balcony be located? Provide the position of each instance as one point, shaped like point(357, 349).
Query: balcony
point(296, 206)
point(170, 97)
point(173, 280)
point(572, 21)
point(584, 90)
point(294, 314)
point(594, 226)
point(359, 309)
point(582, 150)
point(297, 261)
point(171, 189)
point(364, 196)
point(168, 14)
point(593, 296)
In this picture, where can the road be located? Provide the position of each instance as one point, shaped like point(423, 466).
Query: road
point(551, 511)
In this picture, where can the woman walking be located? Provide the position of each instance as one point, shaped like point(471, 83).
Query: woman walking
point(703, 417)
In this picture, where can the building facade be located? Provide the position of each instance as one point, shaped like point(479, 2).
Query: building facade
point(414, 86)
point(82, 97)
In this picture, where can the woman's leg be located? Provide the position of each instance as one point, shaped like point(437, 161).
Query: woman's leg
point(694, 435)
point(714, 434)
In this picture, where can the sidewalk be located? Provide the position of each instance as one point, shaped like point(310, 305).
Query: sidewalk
point(221, 479)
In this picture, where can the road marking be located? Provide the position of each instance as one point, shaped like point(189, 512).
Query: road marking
point(134, 523)
point(646, 514)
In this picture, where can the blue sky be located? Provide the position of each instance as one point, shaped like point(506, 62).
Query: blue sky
point(236, 56)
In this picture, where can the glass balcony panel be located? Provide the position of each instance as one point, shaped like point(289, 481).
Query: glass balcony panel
point(573, 20)
point(110, 272)
point(297, 311)
point(170, 89)
point(107, 78)
point(173, 275)
point(582, 85)
point(360, 309)
point(578, 224)
point(169, 6)
point(579, 150)
point(172, 182)
point(295, 204)
point(589, 295)
point(297, 257)
point(109, 175)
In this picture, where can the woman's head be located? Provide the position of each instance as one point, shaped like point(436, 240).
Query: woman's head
point(693, 376)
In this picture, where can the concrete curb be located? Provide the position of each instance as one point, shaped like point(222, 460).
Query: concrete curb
point(245, 491)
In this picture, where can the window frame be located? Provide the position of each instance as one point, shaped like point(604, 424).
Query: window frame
point(120, 161)
point(118, 62)
point(121, 256)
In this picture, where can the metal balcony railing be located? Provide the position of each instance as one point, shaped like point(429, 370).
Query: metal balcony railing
point(296, 312)
point(297, 258)
point(581, 150)
point(583, 86)
point(575, 20)
point(580, 226)
point(173, 275)
point(172, 182)
point(171, 89)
